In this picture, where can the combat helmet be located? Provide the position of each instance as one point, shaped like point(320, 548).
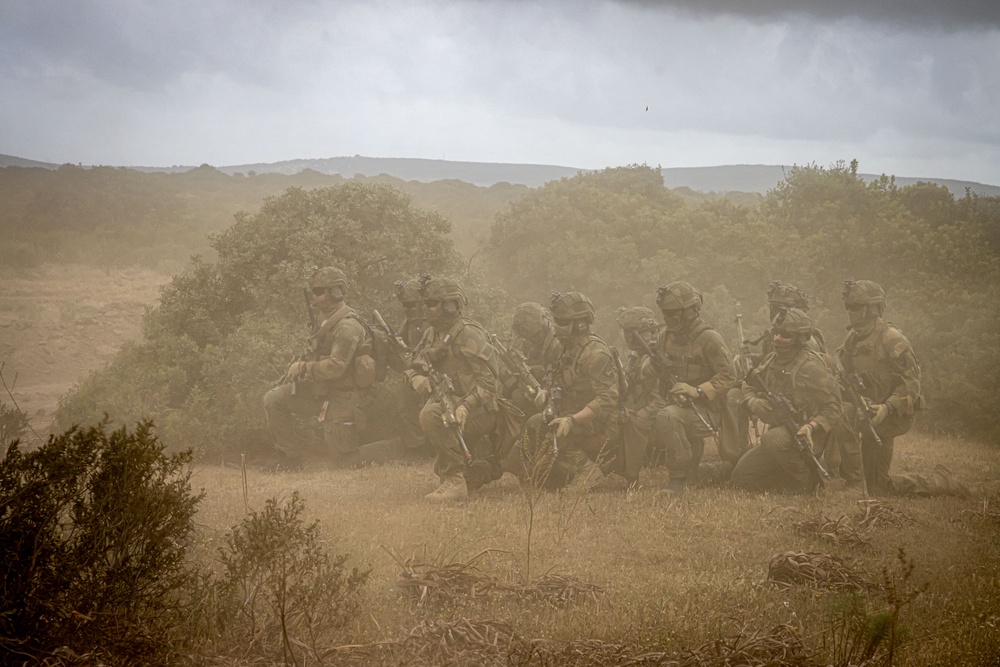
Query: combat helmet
point(531, 320)
point(679, 295)
point(571, 306)
point(793, 323)
point(864, 293)
point(407, 291)
point(330, 278)
point(444, 290)
point(637, 318)
point(784, 294)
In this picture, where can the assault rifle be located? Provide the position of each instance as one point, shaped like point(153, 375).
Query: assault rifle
point(313, 326)
point(402, 348)
point(518, 368)
point(622, 415)
point(743, 366)
point(553, 392)
point(661, 364)
point(791, 419)
point(441, 393)
point(854, 385)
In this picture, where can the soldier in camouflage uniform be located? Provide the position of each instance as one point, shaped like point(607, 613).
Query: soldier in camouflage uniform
point(841, 447)
point(459, 348)
point(798, 373)
point(643, 401)
point(411, 443)
point(537, 344)
point(585, 423)
point(331, 384)
point(702, 370)
point(881, 356)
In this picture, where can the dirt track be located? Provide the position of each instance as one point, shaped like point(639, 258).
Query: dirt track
point(58, 323)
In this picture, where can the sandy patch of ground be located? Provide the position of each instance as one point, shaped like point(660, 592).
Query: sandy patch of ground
point(59, 323)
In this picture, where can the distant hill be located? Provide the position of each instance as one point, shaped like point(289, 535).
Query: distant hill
point(754, 178)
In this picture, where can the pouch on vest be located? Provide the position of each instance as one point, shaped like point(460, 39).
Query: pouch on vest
point(364, 371)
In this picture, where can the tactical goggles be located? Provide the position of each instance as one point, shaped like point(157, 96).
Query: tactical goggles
point(432, 303)
point(319, 291)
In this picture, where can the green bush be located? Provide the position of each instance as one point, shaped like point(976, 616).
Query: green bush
point(13, 424)
point(94, 527)
point(617, 234)
point(282, 596)
point(223, 333)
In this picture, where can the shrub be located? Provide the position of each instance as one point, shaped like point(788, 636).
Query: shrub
point(94, 527)
point(282, 595)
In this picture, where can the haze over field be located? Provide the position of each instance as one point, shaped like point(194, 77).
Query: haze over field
point(907, 88)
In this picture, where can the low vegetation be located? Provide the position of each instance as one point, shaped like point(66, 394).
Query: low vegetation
point(715, 577)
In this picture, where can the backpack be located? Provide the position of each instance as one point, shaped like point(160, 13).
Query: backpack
point(380, 349)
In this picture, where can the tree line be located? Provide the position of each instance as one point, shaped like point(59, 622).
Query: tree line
point(225, 328)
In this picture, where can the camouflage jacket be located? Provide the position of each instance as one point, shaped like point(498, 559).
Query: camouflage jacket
point(539, 358)
point(885, 362)
point(588, 378)
point(807, 382)
point(642, 383)
point(465, 354)
point(410, 333)
point(700, 358)
point(335, 348)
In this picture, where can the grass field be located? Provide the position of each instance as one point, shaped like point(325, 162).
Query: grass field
point(673, 574)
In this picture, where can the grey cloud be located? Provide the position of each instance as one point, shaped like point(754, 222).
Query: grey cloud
point(924, 14)
point(143, 44)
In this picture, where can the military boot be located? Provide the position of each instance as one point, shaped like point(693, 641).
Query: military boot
point(381, 451)
point(674, 486)
point(948, 485)
point(452, 488)
point(588, 475)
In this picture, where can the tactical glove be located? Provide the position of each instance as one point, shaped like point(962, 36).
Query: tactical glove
point(760, 407)
point(684, 389)
point(806, 432)
point(879, 413)
point(563, 426)
point(422, 385)
point(461, 414)
point(541, 398)
point(297, 371)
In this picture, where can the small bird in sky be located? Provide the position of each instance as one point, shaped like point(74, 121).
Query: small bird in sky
point(647, 108)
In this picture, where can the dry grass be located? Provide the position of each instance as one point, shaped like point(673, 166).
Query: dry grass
point(635, 575)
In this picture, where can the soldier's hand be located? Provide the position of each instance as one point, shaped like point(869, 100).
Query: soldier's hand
point(806, 432)
point(760, 407)
point(879, 413)
point(422, 385)
point(562, 425)
point(683, 389)
point(297, 370)
point(461, 415)
point(541, 398)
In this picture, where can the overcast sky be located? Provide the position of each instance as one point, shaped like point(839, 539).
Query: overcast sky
point(908, 87)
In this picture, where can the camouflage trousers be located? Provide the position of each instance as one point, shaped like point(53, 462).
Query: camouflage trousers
point(683, 436)
point(552, 463)
point(776, 464)
point(343, 418)
point(450, 460)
